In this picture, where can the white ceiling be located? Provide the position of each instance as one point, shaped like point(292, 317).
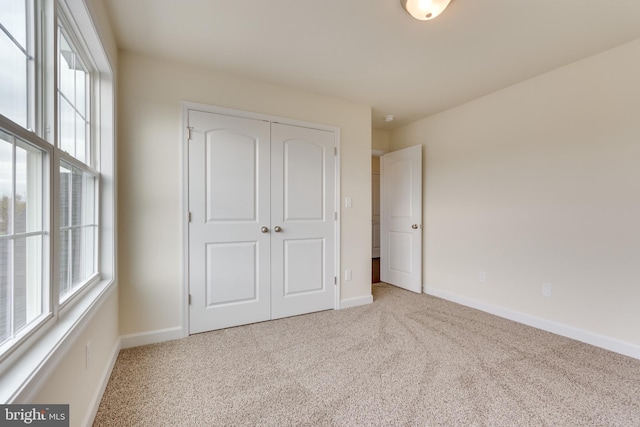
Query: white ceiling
point(372, 51)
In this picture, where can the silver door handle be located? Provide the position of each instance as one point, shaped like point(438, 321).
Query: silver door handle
point(264, 229)
point(277, 229)
point(415, 226)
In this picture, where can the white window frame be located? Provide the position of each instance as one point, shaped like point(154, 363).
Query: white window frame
point(95, 276)
point(25, 367)
point(64, 24)
point(47, 310)
point(32, 34)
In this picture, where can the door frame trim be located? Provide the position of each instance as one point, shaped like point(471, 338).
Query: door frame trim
point(184, 189)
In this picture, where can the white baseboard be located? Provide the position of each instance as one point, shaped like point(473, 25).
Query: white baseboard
point(355, 302)
point(151, 337)
point(608, 343)
point(94, 405)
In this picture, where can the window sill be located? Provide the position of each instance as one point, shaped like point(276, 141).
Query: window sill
point(24, 375)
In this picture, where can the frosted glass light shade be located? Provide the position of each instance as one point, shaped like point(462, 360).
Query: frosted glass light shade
point(425, 10)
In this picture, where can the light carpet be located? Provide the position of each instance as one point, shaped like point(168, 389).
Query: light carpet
point(405, 360)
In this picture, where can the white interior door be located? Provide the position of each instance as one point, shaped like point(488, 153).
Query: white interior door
point(302, 215)
point(229, 203)
point(401, 224)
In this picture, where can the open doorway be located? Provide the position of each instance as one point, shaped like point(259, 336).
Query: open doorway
point(375, 218)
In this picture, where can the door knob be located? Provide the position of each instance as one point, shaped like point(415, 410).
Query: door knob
point(277, 229)
point(415, 226)
point(264, 229)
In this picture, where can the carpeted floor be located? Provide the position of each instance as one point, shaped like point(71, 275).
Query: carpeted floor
point(405, 360)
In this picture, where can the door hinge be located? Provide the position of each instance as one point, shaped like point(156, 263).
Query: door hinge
point(189, 133)
point(189, 216)
point(335, 151)
point(189, 299)
point(335, 216)
point(335, 280)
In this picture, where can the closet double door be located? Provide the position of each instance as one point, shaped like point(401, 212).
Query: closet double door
point(262, 226)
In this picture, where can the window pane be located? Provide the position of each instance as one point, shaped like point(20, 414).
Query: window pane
point(81, 90)
point(65, 276)
point(77, 199)
point(82, 265)
point(6, 300)
point(81, 130)
point(6, 183)
point(28, 200)
point(13, 81)
point(77, 233)
point(13, 16)
point(65, 199)
point(67, 66)
point(73, 93)
point(22, 281)
point(89, 242)
point(27, 281)
point(67, 127)
point(88, 213)
point(77, 257)
point(20, 203)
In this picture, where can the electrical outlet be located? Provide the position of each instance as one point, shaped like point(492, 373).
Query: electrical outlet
point(88, 355)
point(482, 277)
point(547, 290)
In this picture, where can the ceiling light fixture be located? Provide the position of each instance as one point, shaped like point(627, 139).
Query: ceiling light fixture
point(424, 10)
point(389, 118)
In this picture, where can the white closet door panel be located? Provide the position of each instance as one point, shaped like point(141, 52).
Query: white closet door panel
point(304, 178)
point(231, 273)
point(232, 192)
point(302, 205)
point(304, 266)
point(229, 201)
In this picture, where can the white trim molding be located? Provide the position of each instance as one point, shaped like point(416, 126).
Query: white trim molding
point(607, 343)
point(356, 301)
point(94, 405)
point(151, 337)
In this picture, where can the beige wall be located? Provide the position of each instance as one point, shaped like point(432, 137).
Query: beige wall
point(380, 140)
point(540, 183)
point(149, 172)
